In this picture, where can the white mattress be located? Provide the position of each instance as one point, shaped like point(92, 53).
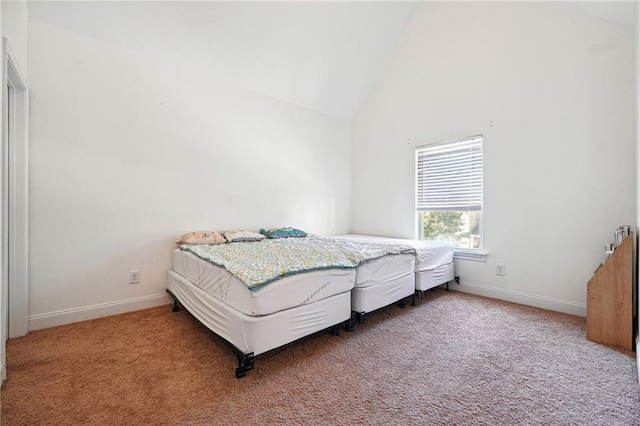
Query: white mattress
point(367, 299)
point(263, 333)
point(429, 254)
point(384, 269)
point(434, 277)
point(383, 281)
point(285, 293)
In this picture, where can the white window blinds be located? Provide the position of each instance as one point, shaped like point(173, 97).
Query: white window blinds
point(449, 176)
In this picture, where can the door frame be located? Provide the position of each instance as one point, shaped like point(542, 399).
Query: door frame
point(15, 187)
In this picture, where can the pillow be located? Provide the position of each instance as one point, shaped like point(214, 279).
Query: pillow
point(242, 236)
point(201, 237)
point(283, 233)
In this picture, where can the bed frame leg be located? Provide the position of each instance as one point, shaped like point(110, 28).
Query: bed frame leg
point(245, 363)
point(418, 295)
point(176, 308)
point(456, 279)
point(361, 318)
point(351, 322)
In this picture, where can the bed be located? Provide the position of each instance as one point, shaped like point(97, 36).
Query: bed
point(433, 260)
point(257, 314)
point(251, 335)
point(380, 280)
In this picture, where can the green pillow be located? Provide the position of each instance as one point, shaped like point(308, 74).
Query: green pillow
point(283, 233)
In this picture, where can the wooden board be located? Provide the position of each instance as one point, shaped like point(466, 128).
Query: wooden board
point(609, 300)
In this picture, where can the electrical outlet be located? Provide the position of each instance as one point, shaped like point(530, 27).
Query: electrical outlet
point(500, 269)
point(134, 277)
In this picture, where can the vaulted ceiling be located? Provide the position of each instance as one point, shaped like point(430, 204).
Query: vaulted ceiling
point(321, 55)
point(324, 56)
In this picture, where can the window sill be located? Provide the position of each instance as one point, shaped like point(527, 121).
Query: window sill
point(468, 254)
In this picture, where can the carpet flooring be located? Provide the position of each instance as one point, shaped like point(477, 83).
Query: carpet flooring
point(454, 359)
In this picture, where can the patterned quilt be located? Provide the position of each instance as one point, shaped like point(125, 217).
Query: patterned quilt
point(260, 263)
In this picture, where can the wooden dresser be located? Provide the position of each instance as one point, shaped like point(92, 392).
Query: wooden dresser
point(610, 300)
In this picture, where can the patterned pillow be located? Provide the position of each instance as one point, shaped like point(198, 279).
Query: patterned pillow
point(201, 237)
point(283, 233)
point(242, 236)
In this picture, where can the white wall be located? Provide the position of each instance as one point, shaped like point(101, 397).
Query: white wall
point(552, 91)
point(321, 55)
point(127, 154)
point(14, 27)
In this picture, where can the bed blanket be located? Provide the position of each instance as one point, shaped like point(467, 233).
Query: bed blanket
point(438, 251)
point(260, 263)
point(360, 251)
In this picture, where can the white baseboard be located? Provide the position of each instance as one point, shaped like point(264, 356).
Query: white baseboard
point(557, 305)
point(68, 316)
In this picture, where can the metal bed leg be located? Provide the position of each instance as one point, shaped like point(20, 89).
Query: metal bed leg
point(176, 308)
point(245, 363)
point(456, 279)
point(351, 322)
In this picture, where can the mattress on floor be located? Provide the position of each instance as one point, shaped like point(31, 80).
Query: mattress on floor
point(429, 254)
point(285, 293)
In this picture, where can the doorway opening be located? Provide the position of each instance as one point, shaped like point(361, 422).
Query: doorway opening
point(14, 199)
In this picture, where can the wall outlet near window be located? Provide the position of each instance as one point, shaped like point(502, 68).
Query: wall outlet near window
point(134, 277)
point(500, 269)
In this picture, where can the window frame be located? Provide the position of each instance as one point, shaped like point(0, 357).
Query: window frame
point(474, 254)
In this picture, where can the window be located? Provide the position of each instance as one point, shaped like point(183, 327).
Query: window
point(449, 192)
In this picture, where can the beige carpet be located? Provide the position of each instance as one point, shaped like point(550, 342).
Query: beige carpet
point(453, 359)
